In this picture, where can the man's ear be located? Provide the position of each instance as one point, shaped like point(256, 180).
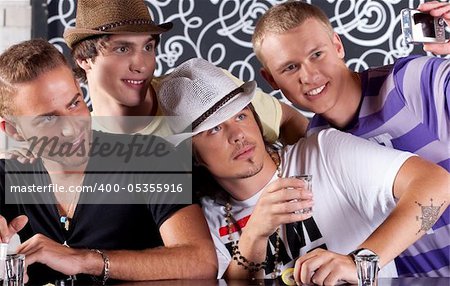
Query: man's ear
point(269, 78)
point(84, 64)
point(338, 45)
point(9, 128)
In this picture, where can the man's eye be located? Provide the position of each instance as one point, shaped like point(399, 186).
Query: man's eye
point(47, 119)
point(290, 67)
point(317, 54)
point(74, 104)
point(149, 48)
point(121, 50)
point(214, 130)
point(241, 116)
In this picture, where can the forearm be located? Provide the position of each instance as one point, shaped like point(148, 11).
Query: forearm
point(420, 195)
point(396, 234)
point(196, 261)
point(189, 252)
point(254, 250)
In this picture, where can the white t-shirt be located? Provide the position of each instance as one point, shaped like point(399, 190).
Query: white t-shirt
point(352, 187)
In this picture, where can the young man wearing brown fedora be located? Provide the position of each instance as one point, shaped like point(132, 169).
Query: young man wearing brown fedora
point(114, 44)
point(79, 233)
point(265, 221)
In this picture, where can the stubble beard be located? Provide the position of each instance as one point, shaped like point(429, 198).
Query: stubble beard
point(253, 170)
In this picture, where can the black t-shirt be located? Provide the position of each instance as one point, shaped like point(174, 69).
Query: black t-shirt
point(94, 226)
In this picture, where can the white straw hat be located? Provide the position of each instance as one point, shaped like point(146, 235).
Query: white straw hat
point(200, 95)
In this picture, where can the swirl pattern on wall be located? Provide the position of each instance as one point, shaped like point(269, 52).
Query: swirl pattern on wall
point(221, 30)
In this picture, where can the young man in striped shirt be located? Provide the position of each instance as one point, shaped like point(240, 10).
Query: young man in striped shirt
point(403, 106)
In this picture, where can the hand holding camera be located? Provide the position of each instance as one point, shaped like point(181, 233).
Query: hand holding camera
point(427, 25)
point(418, 27)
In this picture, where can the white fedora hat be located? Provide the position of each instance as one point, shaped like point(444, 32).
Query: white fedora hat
point(199, 96)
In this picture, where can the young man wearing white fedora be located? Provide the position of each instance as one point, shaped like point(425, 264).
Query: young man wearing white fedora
point(84, 233)
point(264, 221)
point(114, 45)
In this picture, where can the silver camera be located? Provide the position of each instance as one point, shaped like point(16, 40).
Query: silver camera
point(419, 27)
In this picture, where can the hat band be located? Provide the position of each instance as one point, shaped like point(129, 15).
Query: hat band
point(216, 106)
point(110, 26)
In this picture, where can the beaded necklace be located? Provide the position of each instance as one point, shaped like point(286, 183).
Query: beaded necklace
point(254, 267)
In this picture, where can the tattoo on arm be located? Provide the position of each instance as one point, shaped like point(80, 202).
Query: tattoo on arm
point(430, 215)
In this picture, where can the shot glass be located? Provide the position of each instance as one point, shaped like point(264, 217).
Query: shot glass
point(3, 252)
point(367, 268)
point(14, 268)
point(65, 282)
point(308, 183)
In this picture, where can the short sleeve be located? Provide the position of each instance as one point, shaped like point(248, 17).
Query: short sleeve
point(161, 212)
point(364, 171)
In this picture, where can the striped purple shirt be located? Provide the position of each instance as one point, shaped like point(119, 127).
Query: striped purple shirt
point(406, 106)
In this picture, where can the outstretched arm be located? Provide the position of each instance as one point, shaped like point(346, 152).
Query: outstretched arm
point(418, 182)
point(422, 189)
point(188, 253)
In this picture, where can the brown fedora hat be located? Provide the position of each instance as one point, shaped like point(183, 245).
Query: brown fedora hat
point(103, 17)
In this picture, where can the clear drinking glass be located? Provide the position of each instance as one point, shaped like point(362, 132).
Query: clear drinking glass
point(367, 268)
point(308, 182)
point(14, 270)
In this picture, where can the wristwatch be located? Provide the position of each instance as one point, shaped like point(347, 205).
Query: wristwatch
point(361, 251)
point(365, 252)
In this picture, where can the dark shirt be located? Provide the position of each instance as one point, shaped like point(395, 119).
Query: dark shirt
point(93, 226)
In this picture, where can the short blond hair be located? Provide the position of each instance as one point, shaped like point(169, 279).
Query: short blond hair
point(22, 63)
point(283, 17)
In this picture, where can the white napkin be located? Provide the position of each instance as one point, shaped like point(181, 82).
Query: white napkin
point(14, 242)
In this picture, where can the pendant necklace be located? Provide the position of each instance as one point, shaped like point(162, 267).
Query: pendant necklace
point(65, 219)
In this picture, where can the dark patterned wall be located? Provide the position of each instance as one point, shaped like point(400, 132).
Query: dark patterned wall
point(220, 31)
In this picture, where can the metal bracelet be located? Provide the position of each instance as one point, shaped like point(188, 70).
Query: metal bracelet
point(106, 265)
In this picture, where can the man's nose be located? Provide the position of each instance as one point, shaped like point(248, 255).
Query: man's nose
point(308, 74)
point(139, 62)
point(68, 127)
point(236, 134)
